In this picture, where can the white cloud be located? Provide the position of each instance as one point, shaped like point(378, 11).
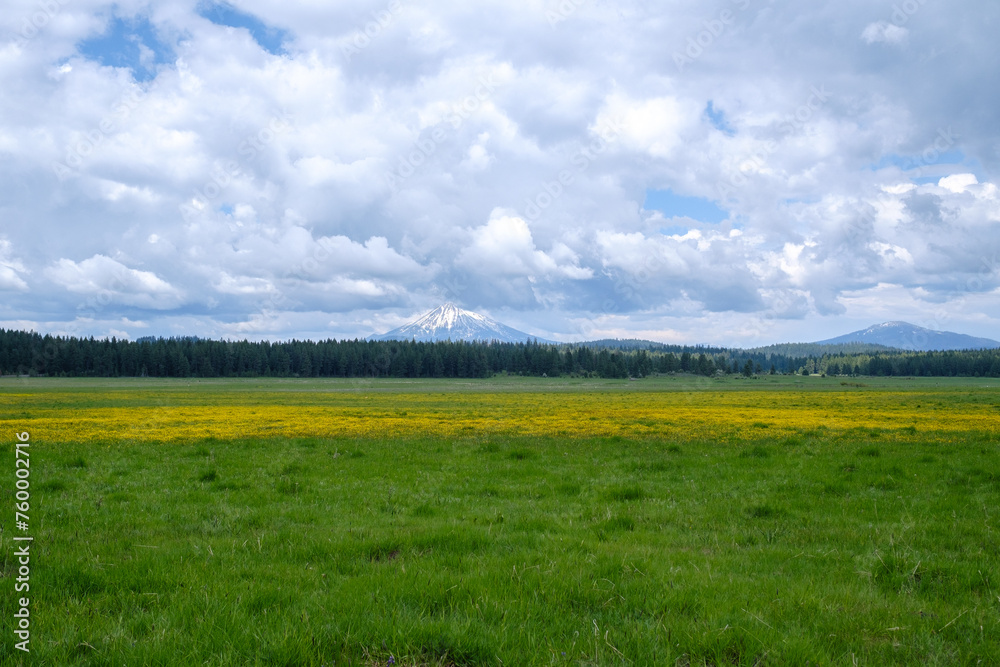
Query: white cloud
point(504, 247)
point(114, 191)
point(958, 183)
point(883, 31)
point(654, 126)
point(478, 156)
point(791, 262)
point(228, 284)
point(711, 268)
point(11, 269)
point(109, 280)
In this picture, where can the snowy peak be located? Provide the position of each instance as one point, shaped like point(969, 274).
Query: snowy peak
point(449, 322)
point(906, 336)
point(448, 317)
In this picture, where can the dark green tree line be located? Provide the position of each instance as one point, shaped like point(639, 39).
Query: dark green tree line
point(28, 353)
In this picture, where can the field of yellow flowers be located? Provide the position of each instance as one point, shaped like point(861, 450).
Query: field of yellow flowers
point(166, 412)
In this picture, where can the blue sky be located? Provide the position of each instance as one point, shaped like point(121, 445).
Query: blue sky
point(132, 42)
point(575, 170)
point(673, 205)
point(128, 43)
point(718, 119)
point(269, 38)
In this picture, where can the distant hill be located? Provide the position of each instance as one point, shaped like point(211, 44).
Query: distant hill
point(906, 336)
point(782, 349)
point(630, 344)
point(449, 322)
point(820, 349)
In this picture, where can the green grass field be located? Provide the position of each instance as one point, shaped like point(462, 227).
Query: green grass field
point(825, 545)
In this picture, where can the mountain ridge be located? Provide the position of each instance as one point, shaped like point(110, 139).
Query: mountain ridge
point(450, 322)
point(906, 336)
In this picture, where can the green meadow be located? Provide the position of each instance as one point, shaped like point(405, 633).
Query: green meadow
point(826, 546)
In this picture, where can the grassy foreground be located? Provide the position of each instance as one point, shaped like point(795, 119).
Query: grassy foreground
point(518, 522)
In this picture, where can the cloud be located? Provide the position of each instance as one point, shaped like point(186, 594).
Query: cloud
point(885, 32)
point(504, 248)
point(114, 282)
point(958, 183)
point(710, 268)
point(11, 269)
point(654, 126)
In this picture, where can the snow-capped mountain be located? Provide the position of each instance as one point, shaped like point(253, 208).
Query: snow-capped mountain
point(906, 336)
point(449, 322)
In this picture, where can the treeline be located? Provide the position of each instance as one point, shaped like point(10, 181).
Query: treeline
point(964, 363)
point(27, 353)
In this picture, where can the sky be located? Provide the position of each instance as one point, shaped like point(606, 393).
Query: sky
point(727, 172)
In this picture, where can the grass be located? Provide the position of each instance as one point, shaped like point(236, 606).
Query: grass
point(826, 544)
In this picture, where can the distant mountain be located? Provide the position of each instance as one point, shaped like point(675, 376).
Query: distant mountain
point(449, 322)
point(630, 344)
point(820, 349)
point(783, 349)
point(905, 336)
